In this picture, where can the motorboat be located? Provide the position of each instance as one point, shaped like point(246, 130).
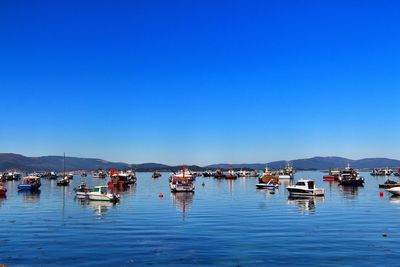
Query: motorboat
point(207, 173)
point(101, 193)
point(120, 179)
point(219, 174)
point(231, 175)
point(30, 182)
point(269, 185)
point(305, 187)
point(389, 184)
point(3, 190)
point(350, 177)
point(381, 172)
point(12, 176)
point(268, 176)
point(394, 190)
point(131, 176)
point(181, 182)
point(156, 174)
point(287, 172)
point(332, 176)
point(63, 181)
point(99, 174)
point(83, 174)
point(82, 190)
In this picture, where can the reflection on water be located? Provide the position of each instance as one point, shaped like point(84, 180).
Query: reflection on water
point(349, 192)
point(182, 201)
point(99, 207)
point(30, 196)
point(306, 203)
point(395, 200)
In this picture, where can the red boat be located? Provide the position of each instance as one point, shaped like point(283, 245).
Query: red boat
point(3, 190)
point(333, 176)
point(119, 180)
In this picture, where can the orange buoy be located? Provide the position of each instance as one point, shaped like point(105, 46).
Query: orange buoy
point(160, 195)
point(381, 194)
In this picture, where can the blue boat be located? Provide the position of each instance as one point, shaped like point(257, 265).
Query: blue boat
point(31, 183)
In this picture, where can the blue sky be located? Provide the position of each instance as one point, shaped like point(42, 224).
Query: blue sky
point(200, 81)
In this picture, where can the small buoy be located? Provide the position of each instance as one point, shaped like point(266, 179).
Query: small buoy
point(381, 194)
point(160, 195)
point(384, 234)
point(203, 184)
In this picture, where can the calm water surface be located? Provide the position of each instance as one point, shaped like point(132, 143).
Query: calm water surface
point(225, 223)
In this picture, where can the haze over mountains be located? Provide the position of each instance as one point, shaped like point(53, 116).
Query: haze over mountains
point(55, 163)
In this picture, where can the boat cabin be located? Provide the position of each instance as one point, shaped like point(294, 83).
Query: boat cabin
point(100, 189)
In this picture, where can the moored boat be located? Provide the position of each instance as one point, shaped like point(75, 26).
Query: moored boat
point(207, 173)
point(305, 187)
point(381, 172)
point(63, 181)
point(268, 176)
point(3, 190)
point(219, 174)
point(269, 185)
point(332, 176)
point(287, 172)
point(119, 179)
point(31, 183)
point(231, 175)
point(99, 174)
point(389, 184)
point(82, 191)
point(181, 181)
point(350, 177)
point(101, 193)
point(156, 175)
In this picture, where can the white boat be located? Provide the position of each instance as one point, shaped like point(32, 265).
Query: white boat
point(82, 191)
point(305, 187)
point(394, 190)
point(101, 193)
point(269, 185)
point(286, 173)
point(181, 182)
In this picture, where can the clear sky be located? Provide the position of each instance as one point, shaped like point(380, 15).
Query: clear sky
point(200, 81)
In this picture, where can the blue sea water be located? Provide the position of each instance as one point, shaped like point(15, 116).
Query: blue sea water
point(225, 223)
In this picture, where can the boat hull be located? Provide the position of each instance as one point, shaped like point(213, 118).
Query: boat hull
point(331, 178)
point(267, 186)
point(102, 197)
point(395, 191)
point(181, 188)
point(28, 187)
point(305, 192)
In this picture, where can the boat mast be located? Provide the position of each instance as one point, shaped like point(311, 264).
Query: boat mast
point(64, 166)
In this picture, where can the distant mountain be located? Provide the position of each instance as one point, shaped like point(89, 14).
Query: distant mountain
point(317, 163)
point(55, 163)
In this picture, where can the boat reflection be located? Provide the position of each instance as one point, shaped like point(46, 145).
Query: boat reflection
point(30, 196)
point(182, 201)
point(306, 203)
point(395, 200)
point(349, 192)
point(99, 207)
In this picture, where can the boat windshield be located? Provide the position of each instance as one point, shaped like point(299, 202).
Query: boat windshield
point(300, 183)
point(103, 190)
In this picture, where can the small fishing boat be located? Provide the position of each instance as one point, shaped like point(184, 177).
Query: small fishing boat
point(63, 181)
point(332, 176)
point(219, 174)
point(99, 174)
point(12, 176)
point(381, 172)
point(389, 184)
point(3, 190)
point(286, 173)
point(305, 187)
point(181, 182)
point(350, 177)
point(269, 185)
point(31, 183)
point(82, 191)
point(101, 193)
point(156, 174)
point(207, 173)
point(231, 175)
point(268, 176)
point(83, 174)
point(119, 179)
